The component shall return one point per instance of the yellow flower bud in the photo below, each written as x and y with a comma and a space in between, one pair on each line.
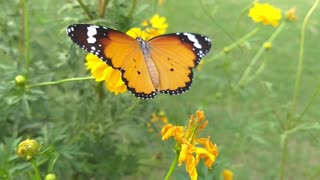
267, 45
226, 50
28, 149
227, 174
20, 80
50, 177
291, 14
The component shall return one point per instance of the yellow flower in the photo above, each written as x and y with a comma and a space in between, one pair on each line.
137, 32
265, 13
102, 72
28, 149
161, 2
291, 14
227, 174
188, 144
158, 22
157, 121
155, 26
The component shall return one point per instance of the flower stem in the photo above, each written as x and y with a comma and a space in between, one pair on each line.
86, 10
36, 170
296, 91
300, 61
172, 167
102, 7
284, 157
133, 6
313, 98
235, 44
254, 60
26, 35
58, 82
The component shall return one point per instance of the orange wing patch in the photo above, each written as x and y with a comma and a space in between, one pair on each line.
119, 49
124, 54
137, 78
175, 56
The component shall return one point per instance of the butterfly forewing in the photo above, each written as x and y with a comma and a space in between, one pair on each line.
118, 50
102, 42
175, 55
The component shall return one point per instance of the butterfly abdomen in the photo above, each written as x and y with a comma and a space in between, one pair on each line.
151, 67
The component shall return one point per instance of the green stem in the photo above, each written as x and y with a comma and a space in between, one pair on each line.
254, 60
133, 7
27, 36
314, 175
102, 7
172, 167
58, 82
284, 157
208, 11
243, 12
86, 10
313, 98
235, 44
36, 170
296, 90
300, 61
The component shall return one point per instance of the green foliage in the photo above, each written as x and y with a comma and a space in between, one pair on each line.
88, 133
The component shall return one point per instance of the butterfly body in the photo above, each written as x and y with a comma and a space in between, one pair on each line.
162, 64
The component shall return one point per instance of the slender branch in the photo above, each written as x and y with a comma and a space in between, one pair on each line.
86, 10
58, 82
133, 7
284, 157
36, 169
172, 167
300, 61
235, 44
254, 60
26, 36
296, 90
312, 99
206, 11
102, 7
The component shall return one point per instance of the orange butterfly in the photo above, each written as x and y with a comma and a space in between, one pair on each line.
162, 64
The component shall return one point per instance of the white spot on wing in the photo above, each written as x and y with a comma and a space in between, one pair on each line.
193, 39
92, 30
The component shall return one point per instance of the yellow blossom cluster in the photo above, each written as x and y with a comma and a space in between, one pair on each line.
190, 148
157, 121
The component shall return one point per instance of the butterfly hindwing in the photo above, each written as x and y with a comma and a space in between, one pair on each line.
175, 55
137, 78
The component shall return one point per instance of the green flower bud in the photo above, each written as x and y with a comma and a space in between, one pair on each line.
28, 149
50, 177
20, 80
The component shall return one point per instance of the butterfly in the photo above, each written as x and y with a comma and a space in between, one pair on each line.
162, 64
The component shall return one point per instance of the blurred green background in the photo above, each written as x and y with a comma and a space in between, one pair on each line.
88, 133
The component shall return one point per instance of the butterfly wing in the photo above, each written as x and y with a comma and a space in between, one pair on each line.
118, 50
175, 56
